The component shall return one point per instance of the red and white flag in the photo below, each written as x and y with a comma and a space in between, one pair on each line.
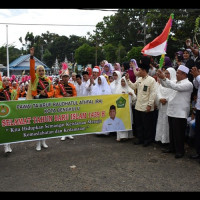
159, 45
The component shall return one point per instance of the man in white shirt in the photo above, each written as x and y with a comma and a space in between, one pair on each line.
87, 84
196, 81
178, 109
79, 86
112, 123
73, 78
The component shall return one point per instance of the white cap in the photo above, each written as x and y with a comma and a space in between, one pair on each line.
183, 69
95, 69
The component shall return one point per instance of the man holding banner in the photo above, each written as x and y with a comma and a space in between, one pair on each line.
65, 89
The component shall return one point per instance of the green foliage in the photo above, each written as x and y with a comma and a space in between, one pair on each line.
134, 53
109, 52
117, 38
85, 54
13, 54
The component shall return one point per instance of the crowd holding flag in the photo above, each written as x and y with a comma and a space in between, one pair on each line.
150, 86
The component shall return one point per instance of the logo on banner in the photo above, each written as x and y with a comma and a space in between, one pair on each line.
121, 102
4, 110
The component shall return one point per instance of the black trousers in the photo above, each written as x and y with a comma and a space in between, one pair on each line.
177, 129
197, 132
144, 123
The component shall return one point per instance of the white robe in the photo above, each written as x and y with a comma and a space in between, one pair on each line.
102, 89
116, 83
162, 127
132, 99
80, 89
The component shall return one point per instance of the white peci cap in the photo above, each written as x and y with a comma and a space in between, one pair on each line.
95, 70
183, 69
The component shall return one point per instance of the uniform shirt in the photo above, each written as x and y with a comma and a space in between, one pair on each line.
146, 92
40, 88
179, 101
69, 88
196, 83
2, 94
113, 125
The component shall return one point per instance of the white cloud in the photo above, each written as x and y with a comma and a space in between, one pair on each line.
47, 16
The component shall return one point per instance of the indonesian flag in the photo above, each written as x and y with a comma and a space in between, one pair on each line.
159, 45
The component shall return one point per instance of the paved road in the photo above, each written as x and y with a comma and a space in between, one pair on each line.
92, 163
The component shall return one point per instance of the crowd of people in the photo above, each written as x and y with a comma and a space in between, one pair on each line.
165, 100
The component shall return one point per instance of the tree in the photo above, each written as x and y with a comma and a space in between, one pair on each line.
58, 48
109, 52
48, 57
133, 26
13, 54
85, 54
73, 43
120, 53
134, 53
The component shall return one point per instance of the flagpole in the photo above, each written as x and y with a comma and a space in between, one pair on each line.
163, 55
8, 72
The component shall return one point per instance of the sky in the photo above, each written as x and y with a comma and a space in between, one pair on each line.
41, 16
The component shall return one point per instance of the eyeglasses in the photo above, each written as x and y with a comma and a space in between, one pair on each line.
41, 70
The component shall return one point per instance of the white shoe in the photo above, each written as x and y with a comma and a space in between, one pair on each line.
6, 148
38, 146
44, 144
62, 138
70, 137
9, 148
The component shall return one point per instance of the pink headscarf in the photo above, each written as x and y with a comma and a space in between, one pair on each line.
118, 67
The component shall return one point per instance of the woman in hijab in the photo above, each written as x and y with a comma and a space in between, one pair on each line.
89, 70
116, 82
107, 69
123, 88
40, 87
188, 62
117, 67
163, 94
102, 87
167, 62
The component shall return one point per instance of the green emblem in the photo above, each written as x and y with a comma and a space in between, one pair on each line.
121, 102
4, 110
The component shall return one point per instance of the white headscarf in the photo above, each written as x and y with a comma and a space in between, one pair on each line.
126, 89
172, 72
103, 88
164, 92
116, 82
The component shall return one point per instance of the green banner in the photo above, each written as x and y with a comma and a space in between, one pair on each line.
49, 118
